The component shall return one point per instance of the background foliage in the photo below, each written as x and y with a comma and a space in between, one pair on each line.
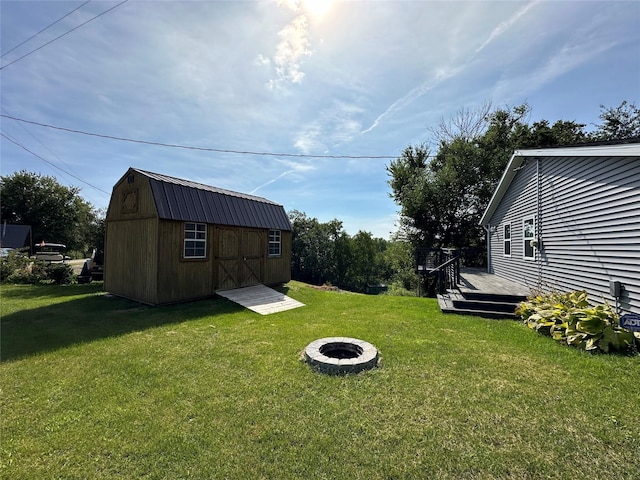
443, 195
56, 213
323, 253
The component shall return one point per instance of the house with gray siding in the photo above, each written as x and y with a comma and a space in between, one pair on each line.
569, 219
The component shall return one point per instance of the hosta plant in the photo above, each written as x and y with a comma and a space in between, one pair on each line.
569, 319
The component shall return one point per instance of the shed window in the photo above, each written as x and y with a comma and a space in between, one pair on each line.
195, 240
507, 239
275, 243
529, 234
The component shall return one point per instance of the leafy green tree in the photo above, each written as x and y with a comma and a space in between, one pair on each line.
443, 196
618, 123
366, 261
325, 253
56, 213
399, 262
314, 256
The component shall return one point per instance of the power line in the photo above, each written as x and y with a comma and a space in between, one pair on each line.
60, 36
52, 164
203, 149
37, 139
45, 28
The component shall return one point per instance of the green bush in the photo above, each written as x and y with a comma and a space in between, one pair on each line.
569, 319
20, 269
60, 273
29, 273
12, 262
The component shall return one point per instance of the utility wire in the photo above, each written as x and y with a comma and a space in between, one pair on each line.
45, 28
52, 164
203, 149
60, 36
38, 140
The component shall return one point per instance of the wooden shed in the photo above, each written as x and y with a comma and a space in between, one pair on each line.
171, 240
569, 219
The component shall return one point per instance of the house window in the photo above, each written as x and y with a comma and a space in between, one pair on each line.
275, 243
195, 240
529, 234
507, 239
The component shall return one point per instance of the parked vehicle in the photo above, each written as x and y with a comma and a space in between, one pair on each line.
51, 252
93, 268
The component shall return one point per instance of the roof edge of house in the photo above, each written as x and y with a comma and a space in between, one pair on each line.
604, 149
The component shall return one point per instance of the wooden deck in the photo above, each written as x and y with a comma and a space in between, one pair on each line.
483, 294
473, 280
260, 299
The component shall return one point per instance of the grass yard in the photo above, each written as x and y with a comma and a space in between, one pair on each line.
99, 387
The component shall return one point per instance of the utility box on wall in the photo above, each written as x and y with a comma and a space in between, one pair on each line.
615, 288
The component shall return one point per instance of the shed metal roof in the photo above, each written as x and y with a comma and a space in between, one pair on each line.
184, 200
520, 156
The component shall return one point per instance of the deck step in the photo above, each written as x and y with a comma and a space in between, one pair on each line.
494, 297
487, 305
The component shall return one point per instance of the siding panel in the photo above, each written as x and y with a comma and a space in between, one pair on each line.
518, 203
589, 224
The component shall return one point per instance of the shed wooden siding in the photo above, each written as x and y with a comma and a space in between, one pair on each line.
131, 253
589, 226
278, 268
131, 243
180, 278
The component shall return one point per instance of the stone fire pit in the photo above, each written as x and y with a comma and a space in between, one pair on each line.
340, 355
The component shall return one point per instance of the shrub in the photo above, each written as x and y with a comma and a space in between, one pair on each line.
60, 273
12, 262
30, 273
569, 319
22, 270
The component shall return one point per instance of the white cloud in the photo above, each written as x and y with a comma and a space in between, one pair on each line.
293, 167
446, 71
506, 25
333, 127
293, 46
441, 74
565, 59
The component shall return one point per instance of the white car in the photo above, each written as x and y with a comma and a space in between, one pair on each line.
51, 252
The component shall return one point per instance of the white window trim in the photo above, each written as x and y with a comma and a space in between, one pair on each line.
505, 239
197, 240
278, 242
526, 239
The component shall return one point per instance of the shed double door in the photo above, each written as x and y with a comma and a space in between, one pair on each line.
240, 257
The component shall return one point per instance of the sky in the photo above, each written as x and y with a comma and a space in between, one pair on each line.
299, 87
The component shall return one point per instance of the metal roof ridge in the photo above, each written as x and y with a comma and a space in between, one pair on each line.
201, 186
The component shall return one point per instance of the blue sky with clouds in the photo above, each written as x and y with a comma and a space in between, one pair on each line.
364, 78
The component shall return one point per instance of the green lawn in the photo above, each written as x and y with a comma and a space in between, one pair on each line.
99, 387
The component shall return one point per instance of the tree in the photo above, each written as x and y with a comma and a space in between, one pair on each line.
313, 251
325, 253
56, 213
619, 123
399, 262
366, 261
443, 197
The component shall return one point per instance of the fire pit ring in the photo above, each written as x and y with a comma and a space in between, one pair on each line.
340, 355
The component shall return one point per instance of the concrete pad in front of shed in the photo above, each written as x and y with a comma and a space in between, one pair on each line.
260, 299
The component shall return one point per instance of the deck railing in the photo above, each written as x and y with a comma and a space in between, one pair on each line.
444, 264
